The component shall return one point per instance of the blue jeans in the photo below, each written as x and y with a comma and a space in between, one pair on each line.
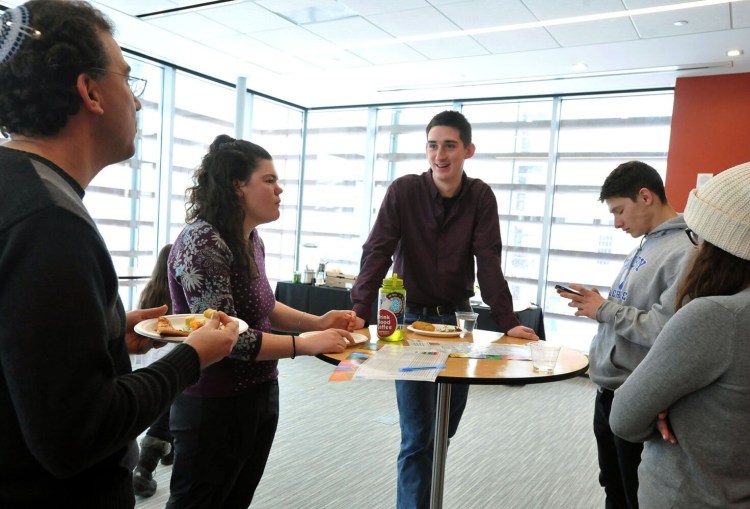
416, 408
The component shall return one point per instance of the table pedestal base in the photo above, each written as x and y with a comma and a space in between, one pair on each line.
440, 444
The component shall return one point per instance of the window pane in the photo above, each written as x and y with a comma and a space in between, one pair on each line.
596, 135
512, 149
122, 198
203, 110
333, 199
278, 129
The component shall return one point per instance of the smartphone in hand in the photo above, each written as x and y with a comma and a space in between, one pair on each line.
562, 288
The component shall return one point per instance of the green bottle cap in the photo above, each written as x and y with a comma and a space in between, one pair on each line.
393, 281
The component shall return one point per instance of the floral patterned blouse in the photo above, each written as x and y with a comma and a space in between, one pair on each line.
202, 275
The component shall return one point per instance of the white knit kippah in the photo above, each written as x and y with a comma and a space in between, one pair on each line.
719, 211
14, 28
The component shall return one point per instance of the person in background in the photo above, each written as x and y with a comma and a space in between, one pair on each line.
70, 406
434, 225
157, 443
640, 302
224, 425
693, 387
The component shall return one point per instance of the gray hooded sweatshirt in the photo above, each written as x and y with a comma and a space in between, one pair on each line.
640, 302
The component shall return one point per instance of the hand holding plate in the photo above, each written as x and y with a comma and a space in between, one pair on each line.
212, 341
136, 343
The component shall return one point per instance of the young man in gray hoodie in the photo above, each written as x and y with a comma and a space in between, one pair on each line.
640, 301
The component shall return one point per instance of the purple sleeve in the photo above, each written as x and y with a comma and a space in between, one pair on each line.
200, 277
487, 247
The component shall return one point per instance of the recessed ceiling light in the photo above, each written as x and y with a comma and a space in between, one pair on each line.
680, 23
734, 52
580, 66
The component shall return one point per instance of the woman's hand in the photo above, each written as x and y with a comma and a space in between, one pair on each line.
359, 323
662, 424
337, 319
327, 341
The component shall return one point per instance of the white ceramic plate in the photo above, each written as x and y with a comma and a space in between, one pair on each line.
436, 334
148, 327
358, 338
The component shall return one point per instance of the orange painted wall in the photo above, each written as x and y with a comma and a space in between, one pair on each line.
710, 130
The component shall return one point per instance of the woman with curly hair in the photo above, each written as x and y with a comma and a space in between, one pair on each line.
224, 425
689, 399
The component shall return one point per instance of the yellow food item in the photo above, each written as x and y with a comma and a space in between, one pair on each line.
193, 323
209, 312
423, 326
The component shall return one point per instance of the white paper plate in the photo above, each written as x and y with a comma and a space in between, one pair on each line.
148, 327
436, 334
358, 338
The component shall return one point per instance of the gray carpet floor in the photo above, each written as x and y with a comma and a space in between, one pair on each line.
517, 447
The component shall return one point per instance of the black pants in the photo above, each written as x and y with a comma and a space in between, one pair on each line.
618, 458
160, 428
221, 447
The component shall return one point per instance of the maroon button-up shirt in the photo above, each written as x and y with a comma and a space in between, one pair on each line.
433, 248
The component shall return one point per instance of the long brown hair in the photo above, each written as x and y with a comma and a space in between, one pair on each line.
156, 291
713, 271
213, 199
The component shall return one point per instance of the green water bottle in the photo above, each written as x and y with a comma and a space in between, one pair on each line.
391, 309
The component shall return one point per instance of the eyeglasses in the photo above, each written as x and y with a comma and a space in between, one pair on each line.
694, 237
137, 85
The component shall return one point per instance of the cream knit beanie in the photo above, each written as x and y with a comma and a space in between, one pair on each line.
719, 211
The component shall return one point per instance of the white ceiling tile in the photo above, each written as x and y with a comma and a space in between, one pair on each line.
703, 19
487, 13
246, 18
594, 32
414, 22
308, 11
292, 39
369, 7
741, 15
339, 59
191, 24
552, 9
454, 47
136, 7
518, 40
251, 50
446, 2
640, 4
392, 54
348, 31
291, 5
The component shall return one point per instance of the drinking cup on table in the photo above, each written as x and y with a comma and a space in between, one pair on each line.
466, 320
544, 356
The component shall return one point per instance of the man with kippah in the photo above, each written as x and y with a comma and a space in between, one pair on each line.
70, 406
640, 302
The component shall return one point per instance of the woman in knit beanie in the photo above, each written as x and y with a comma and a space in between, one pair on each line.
697, 374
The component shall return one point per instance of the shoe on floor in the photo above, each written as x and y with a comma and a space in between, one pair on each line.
168, 459
143, 484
